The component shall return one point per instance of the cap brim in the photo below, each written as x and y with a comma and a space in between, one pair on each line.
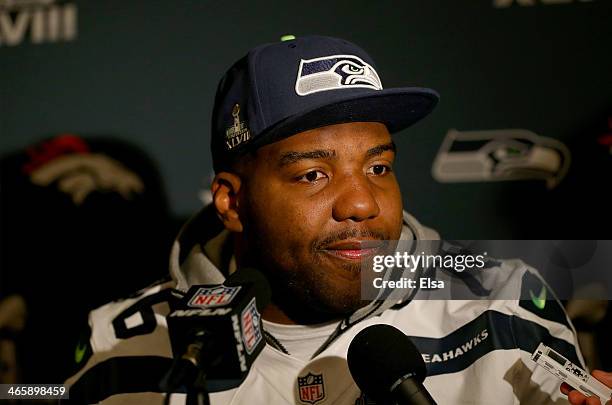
397, 108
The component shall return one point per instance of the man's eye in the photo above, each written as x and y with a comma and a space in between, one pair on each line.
312, 176
379, 170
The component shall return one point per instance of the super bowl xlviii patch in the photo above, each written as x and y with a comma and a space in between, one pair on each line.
251, 327
335, 72
238, 133
311, 388
210, 297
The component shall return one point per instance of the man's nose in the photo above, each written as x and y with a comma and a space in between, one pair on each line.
355, 199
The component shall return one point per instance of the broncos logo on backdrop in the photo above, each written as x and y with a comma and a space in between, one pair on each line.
335, 72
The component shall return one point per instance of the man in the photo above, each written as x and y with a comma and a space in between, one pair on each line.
304, 172
577, 398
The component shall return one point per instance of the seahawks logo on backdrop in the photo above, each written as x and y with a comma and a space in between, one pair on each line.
335, 72
500, 155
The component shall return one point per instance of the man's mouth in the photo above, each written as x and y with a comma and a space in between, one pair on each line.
354, 250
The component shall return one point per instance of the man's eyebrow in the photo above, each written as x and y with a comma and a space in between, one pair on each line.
378, 150
288, 158
291, 157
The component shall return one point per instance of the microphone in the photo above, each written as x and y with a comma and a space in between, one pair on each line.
387, 366
216, 333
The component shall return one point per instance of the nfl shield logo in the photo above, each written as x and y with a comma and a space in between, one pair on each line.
209, 297
311, 388
251, 327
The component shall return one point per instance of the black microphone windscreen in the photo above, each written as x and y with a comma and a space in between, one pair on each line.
249, 275
379, 356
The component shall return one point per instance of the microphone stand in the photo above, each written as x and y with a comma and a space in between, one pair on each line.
183, 371
197, 394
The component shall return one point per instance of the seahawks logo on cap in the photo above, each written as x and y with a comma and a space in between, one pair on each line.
335, 72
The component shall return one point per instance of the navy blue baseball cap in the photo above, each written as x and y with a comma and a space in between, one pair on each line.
283, 88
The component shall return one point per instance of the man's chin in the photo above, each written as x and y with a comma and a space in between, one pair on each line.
312, 309
338, 308
340, 269
348, 309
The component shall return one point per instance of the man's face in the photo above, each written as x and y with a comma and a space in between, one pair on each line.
305, 204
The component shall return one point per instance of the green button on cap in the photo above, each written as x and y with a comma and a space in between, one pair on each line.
287, 37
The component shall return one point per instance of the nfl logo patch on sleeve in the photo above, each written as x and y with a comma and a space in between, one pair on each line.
311, 388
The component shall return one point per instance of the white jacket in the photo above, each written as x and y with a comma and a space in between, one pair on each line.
476, 351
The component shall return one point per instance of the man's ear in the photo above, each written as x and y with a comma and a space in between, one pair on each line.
225, 189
